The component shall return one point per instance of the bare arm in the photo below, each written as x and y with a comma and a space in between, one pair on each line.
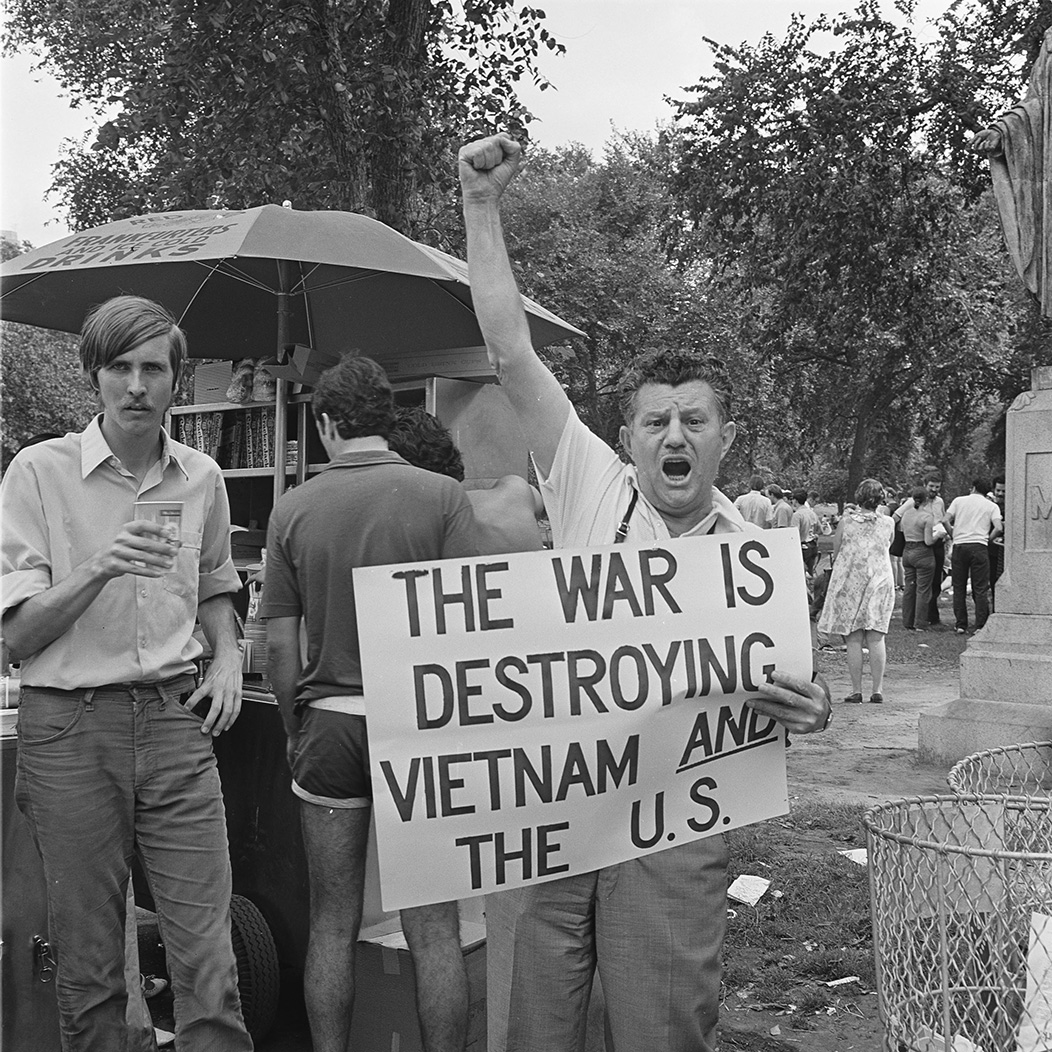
42, 618
284, 666
487, 166
222, 681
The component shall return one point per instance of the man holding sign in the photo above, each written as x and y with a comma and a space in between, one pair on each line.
653, 925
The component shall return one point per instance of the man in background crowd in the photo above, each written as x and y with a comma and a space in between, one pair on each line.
806, 521
755, 506
781, 510
973, 521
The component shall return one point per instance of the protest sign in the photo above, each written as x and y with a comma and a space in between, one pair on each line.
547, 713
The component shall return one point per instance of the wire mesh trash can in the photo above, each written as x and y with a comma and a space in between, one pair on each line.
961, 893
1012, 770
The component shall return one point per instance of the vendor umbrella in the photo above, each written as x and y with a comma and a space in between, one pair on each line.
251, 283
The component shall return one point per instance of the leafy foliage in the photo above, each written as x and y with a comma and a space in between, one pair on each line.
865, 275
327, 104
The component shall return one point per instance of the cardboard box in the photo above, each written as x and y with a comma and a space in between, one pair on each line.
385, 990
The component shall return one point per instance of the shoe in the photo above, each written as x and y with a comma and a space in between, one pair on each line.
960, 631
853, 699
876, 699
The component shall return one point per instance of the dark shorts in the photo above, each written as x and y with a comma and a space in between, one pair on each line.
331, 765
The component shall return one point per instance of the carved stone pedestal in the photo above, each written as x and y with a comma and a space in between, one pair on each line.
1006, 671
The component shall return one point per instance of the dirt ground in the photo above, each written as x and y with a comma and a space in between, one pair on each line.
868, 756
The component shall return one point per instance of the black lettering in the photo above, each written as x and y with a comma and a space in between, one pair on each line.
546, 661
501, 675
403, 801
447, 783
465, 598
541, 781
610, 772
619, 588
575, 772
751, 640
705, 824
466, 691
423, 721
744, 552
638, 839
728, 577
412, 600
474, 846
726, 723
728, 676
657, 580
665, 667
544, 849
579, 681
486, 623
580, 589
700, 738
493, 758
642, 684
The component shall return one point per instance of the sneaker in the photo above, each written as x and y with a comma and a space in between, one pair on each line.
853, 699
960, 631
876, 699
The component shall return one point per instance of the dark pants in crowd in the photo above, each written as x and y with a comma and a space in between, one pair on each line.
970, 560
939, 551
918, 572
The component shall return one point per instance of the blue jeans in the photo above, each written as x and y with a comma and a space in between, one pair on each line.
654, 926
974, 560
103, 774
918, 572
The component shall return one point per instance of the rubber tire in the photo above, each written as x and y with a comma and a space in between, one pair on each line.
258, 975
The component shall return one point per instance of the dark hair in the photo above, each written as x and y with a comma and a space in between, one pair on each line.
980, 485
34, 439
920, 495
931, 474
999, 478
869, 494
800, 496
674, 368
756, 482
421, 439
120, 325
358, 398
775, 491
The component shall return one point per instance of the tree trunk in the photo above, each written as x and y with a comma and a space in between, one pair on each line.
860, 442
393, 182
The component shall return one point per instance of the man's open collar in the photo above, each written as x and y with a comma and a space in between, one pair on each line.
95, 450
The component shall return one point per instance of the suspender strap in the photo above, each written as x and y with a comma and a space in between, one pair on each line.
622, 530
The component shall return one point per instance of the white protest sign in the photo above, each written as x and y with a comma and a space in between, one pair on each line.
548, 713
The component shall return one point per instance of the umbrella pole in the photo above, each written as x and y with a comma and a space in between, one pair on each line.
281, 391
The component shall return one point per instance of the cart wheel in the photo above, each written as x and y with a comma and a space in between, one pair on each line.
257, 966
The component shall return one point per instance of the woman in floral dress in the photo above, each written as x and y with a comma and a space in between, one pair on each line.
861, 595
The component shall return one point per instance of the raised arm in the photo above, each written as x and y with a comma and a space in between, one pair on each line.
487, 166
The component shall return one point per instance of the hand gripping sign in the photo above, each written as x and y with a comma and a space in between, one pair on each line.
541, 714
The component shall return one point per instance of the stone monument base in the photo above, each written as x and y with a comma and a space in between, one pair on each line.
1006, 691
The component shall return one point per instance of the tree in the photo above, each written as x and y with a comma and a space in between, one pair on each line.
861, 275
241, 102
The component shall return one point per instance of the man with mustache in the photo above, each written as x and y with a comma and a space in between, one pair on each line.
99, 607
653, 926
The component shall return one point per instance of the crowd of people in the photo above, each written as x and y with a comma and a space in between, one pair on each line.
883, 544
116, 724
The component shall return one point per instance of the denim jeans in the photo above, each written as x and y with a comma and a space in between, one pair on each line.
918, 572
974, 560
103, 774
654, 926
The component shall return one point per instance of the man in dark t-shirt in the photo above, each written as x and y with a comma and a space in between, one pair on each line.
368, 507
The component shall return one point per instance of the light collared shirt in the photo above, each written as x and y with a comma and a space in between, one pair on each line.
589, 489
973, 518
66, 499
755, 507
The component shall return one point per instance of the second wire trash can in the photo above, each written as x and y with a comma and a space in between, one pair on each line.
961, 890
1011, 770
